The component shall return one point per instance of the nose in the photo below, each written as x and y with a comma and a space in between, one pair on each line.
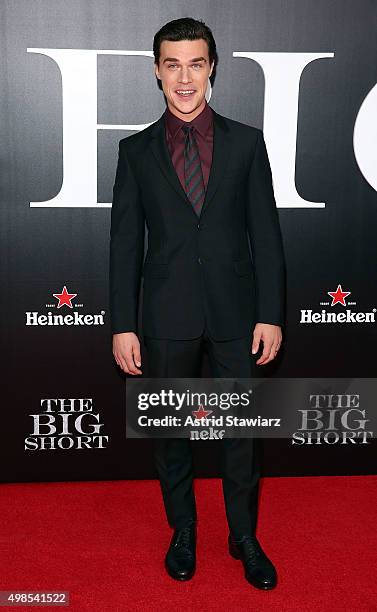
184, 77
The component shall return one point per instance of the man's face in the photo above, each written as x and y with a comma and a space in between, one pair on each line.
184, 66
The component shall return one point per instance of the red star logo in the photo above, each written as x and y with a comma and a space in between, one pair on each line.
201, 413
338, 296
65, 298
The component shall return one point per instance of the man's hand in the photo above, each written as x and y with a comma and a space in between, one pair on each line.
271, 336
126, 351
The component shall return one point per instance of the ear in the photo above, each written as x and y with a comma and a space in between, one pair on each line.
157, 72
212, 66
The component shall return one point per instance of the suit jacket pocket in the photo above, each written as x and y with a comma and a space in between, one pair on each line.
155, 270
243, 267
234, 175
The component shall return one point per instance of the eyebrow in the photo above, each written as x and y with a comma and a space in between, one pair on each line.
174, 59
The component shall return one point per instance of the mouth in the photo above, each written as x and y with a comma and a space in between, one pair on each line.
185, 94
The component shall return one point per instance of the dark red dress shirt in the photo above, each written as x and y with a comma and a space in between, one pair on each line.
175, 137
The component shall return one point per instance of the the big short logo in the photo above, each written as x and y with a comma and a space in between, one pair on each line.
341, 314
66, 424
75, 318
333, 419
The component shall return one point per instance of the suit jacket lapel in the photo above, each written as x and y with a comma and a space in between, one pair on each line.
220, 158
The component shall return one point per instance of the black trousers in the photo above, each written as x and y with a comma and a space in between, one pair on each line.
240, 458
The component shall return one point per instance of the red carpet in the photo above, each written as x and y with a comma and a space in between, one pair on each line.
105, 543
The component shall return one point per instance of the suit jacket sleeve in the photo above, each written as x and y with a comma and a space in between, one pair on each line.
126, 247
265, 239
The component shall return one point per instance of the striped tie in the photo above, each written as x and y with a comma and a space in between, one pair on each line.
194, 182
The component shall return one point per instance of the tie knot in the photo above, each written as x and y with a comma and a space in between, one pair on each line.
187, 128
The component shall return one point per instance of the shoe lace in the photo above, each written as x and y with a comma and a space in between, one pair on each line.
183, 540
252, 549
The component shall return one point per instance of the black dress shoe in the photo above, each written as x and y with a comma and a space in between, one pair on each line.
259, 571
180, 560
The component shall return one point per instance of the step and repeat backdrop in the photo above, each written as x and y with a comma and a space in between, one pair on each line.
76, 77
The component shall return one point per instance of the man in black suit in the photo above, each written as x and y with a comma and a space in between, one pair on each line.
214, 275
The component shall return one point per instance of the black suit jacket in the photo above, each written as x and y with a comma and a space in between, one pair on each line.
196, 270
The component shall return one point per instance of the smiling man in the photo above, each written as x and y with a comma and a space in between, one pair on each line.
214, 276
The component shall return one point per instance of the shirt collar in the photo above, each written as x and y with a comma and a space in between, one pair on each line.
201, 123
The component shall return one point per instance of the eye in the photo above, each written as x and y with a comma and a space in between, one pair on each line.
198, 65
171, 65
